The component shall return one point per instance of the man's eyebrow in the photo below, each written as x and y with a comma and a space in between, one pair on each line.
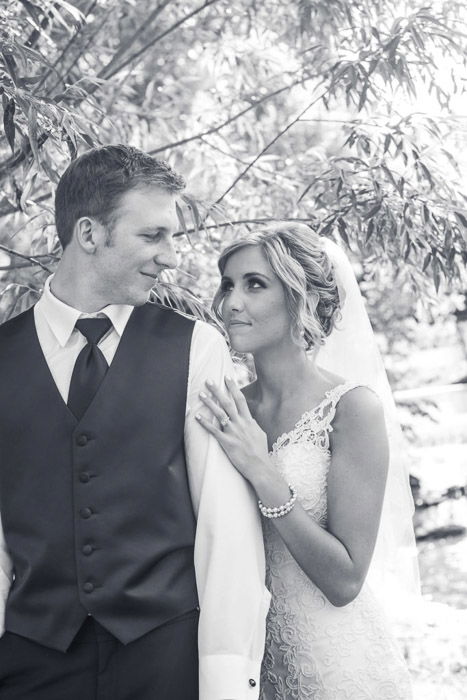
153, 229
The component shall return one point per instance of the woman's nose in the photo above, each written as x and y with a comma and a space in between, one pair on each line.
234, 301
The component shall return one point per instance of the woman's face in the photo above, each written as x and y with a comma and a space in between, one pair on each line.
254, 304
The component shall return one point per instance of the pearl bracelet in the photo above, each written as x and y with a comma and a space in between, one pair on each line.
279, 511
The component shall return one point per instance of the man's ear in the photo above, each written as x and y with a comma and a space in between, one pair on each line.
88, 233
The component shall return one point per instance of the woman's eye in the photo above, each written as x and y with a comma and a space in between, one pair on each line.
255, 284
226, 287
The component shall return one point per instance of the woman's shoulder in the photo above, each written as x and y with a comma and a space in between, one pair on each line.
357, 404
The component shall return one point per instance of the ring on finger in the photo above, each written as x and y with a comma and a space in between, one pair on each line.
224, 421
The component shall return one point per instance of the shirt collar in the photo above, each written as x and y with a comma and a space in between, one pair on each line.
62, 318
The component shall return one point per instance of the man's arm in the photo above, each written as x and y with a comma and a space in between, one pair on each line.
229, 553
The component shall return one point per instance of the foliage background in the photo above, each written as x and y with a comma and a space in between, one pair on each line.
346, 114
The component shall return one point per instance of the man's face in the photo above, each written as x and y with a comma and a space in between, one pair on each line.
139, 246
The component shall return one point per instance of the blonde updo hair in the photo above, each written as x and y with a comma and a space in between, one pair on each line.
297, 257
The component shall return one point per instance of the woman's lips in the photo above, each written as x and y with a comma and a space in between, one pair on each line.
238, 323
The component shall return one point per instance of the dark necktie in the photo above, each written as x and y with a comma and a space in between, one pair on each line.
90, 366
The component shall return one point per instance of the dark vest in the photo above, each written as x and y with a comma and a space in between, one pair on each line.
97, 514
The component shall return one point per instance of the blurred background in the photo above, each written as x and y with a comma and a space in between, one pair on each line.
348, 115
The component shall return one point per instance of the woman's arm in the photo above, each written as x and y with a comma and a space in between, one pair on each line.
336, 559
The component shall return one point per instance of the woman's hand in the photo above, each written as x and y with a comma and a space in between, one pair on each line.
237, 432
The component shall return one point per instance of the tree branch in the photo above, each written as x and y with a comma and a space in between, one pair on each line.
33, 260
105, 75
268, 146
11, 209
271, 173
215, 129
64, 51
238, 222
147, 22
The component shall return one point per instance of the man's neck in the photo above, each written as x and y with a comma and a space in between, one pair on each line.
63, 287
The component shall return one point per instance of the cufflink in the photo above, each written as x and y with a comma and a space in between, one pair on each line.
252, 682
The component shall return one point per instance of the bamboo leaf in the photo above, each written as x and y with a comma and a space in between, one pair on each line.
374, 210
436, 272
10, 65
342, 227
370, 229
32, 132
426, 262
181, 219
9, 122
461, 218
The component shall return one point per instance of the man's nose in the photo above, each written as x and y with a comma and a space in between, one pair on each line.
167, 257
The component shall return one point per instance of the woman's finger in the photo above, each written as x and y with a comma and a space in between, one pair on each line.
221, 415
238, 397
210, 427
224, 401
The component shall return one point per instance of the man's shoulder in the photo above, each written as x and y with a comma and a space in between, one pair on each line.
209, 334
16, 323
155, 311
202, 329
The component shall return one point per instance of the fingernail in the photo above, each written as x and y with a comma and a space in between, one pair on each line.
209, 382
229, 379
198, 416
203, 395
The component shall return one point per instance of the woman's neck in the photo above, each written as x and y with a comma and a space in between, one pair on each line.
281, 374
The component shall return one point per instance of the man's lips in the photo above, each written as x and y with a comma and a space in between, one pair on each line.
152, 276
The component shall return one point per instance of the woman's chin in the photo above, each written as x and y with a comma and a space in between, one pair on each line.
238, 346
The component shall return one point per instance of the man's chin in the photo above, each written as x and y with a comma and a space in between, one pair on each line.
141, 299
137, 297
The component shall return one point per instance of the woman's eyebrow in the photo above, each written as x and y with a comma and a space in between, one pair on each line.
256, 274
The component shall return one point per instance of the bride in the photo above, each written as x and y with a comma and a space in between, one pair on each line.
314, 447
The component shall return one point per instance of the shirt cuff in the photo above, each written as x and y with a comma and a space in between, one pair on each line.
228, 677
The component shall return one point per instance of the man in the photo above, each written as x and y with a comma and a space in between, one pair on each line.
123, 521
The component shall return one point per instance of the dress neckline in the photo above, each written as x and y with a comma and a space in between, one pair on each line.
306, 414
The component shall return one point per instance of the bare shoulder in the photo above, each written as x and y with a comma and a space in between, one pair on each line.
357, 407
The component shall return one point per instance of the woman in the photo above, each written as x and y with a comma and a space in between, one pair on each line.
313, 446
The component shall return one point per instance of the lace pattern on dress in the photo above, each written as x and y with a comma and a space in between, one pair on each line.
315, 424
315, 651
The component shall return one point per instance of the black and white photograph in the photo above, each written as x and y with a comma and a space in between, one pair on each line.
233, 350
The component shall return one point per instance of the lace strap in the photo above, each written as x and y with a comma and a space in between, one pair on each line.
315, 425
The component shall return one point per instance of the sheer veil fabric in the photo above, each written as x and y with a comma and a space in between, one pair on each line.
351, 351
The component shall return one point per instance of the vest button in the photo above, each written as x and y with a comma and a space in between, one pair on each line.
82, 440
85, 513
87, 549
88, 587
84, 477
252, 682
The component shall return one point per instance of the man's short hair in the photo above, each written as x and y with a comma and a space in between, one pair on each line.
93, 184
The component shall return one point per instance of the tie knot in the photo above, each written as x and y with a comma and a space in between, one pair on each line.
93, 329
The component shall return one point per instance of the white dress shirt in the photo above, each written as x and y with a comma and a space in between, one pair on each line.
229, 554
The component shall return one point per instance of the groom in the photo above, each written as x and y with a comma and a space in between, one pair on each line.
123, 521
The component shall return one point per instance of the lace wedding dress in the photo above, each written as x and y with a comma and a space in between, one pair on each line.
315, 651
